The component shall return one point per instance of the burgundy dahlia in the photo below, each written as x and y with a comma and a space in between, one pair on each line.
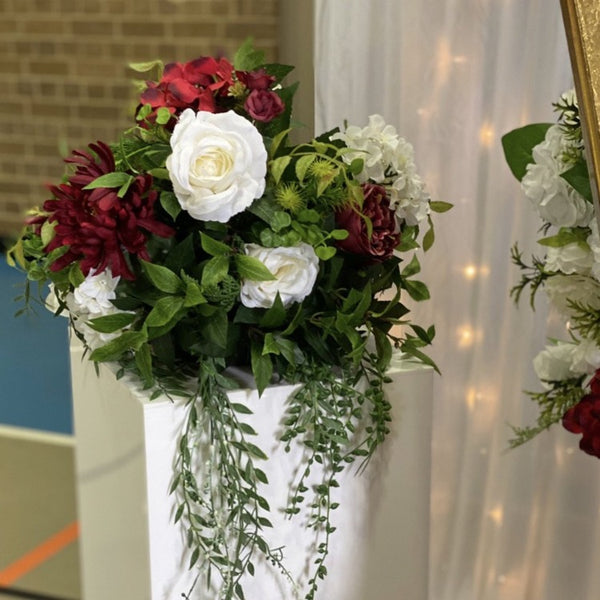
584, 418
263, 105
384, 237
96, 225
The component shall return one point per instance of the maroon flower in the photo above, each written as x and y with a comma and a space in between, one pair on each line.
584, 418
384, 238
263, 105
96, 225
255, 80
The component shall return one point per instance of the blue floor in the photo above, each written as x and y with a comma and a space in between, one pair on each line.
34, 363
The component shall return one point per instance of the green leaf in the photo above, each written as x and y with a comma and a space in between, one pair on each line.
416, 289
384, 348
76, 277
278, 166
47, 232
303, 164
518, 146
280, 220
159, 173
440, 207
241, 408
412, 268
164, 310
277, 70
163, 115
143, 361
168, 200
216, 328
262, 367
251, 268
163, 279
565, 236
113, 350
275, 315
270, 346
212, 246
429, 236
325, 252
193, 292
247, 58
277, 141
144, 67
215, 270
578, 177
110, 180
112, 323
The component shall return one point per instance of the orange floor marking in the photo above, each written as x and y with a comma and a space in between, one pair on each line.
40, 554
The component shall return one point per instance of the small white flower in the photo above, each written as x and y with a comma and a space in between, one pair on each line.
218, 165
571, 258
551, 196
553, 363
295, 269
94, 295
586, 358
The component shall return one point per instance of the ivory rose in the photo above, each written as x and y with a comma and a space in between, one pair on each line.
295, 269
218, 164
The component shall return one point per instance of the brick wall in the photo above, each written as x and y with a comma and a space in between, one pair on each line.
63, 64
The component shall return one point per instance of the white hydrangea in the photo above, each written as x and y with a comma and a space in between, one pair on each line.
551, 196
388, 160
581, 289
570, 258
554, 362
586, 357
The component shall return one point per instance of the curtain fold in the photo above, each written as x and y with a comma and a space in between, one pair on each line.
454, 76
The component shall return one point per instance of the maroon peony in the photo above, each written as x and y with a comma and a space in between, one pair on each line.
96, 225
385, 236
195, 84
584, 418
263, 105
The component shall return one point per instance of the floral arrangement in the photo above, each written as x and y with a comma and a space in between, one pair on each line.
202, 240
549, 161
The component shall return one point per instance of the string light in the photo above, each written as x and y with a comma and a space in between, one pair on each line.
487, 135
470, 272
496, 515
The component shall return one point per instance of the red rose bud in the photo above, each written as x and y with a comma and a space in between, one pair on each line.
385, 236
584, 418
263, 105
255, 80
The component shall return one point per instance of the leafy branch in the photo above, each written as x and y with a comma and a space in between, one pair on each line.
553, 404
533, 275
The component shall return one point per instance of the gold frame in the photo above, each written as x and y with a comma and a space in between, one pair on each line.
582, 26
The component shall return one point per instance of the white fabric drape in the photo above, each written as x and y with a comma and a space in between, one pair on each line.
453, 76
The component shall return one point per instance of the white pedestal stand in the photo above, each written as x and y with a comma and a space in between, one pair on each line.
130, 548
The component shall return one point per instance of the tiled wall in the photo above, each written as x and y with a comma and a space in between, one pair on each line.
65, 81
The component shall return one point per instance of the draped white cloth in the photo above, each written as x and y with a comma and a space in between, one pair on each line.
453, 76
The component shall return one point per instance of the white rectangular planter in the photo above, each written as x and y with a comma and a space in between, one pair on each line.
130, 548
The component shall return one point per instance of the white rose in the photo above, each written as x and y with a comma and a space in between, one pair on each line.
576, 288
94, 295
571, 258
553, 363
586, 358
552, 197
295, 269
218, 165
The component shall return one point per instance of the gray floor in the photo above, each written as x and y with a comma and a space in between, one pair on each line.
37, 500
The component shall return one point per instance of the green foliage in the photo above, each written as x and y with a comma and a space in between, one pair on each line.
518, 146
